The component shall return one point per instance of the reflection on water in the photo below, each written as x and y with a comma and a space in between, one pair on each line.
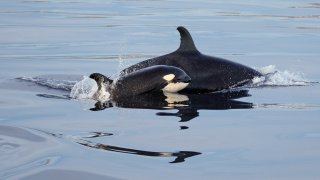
19, 149
53, 96
180, 156
98, 134
54, 174
187, 106
19, 133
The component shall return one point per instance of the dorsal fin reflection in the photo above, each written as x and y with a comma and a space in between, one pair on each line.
180, 156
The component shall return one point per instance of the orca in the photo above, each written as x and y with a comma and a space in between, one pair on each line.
208, 73
152, 79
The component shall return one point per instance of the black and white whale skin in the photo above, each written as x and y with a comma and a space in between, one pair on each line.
208, 73
151, 79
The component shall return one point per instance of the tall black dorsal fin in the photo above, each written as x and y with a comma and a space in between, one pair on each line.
186, 43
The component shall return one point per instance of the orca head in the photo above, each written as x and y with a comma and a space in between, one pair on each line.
176, 81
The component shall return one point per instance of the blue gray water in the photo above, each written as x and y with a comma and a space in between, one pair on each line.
273, 132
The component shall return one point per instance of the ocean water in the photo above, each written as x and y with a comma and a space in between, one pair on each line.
270, 130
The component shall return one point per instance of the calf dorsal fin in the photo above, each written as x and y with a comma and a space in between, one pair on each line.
100, 78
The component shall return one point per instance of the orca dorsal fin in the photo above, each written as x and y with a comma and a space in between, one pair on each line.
186, 43
100, 78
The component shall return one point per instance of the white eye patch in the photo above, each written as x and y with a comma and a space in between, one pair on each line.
168, 77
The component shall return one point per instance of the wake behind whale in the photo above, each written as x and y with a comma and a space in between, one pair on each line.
83, 87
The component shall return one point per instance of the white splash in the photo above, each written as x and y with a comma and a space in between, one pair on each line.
86, 89
274, 77
101, 95
50, 82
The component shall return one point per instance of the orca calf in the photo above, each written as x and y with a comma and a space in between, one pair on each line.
208, 73
151, 79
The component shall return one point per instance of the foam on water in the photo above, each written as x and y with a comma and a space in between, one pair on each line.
274, 77
83, 89
50, 82
86, 89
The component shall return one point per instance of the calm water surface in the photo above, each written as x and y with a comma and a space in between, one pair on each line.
270, 133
